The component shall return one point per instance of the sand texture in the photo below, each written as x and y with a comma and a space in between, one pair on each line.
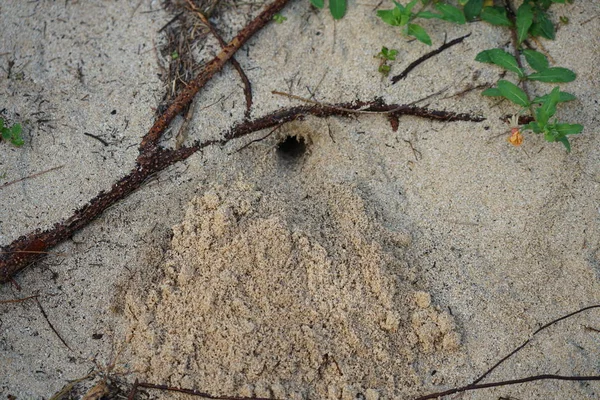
332, 258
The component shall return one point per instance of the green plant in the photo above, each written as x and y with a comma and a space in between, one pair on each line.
531, 19
336, 7
403, 16
384, 56
11, 134
278, 18
543, 107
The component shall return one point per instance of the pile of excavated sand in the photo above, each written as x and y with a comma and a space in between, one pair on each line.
251, 304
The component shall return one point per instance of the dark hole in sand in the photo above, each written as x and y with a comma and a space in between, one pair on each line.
291, 148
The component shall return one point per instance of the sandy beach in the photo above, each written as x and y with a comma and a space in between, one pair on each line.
329, 258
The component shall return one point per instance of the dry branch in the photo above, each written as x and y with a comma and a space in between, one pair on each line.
29, 248
25, 250
475, 385
150, 141
151, 159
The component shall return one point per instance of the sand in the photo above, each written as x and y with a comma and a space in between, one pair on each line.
371, 264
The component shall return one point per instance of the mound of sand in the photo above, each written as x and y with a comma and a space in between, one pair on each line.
252, 304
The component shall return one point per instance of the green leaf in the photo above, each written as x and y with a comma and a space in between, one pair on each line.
548, 108
543, 27
473, 9
399, 6
384, 69
410, 6
1, 124
318, 3
565, 141
568, 129
492, 92
534, 126
513, 93
524, 21
536, 60
388, 17
562, 97
484, 57
16, 129
451, 13
428, 15
553, 75
500, 58
387, 54
337, 8
6, 134
495, 16
418, 32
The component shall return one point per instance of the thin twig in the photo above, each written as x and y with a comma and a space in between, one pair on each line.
427, 56
530, 339
352, 110
234, 62
30, 176
50, 253
175, 18
259, 139
150, 141
475, 385
197, 393
18, 300
98, 138
50, 324
133, 391
38, 241
509, 382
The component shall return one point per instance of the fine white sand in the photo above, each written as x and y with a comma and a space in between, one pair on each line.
376, 264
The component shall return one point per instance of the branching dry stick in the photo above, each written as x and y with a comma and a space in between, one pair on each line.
22, 252
26, 249
191, 392
234, 62
506, 383
151, 159
427, 56
476, 385
150, 141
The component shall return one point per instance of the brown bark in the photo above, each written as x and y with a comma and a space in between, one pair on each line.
28, 248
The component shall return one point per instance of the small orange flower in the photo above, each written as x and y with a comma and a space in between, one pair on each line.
515, 137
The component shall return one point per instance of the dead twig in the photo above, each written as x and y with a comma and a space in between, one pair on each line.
191, 392
150, 141
509, 382
50, 324
30, 176
476, 385
234, 62
98, 138
531, 338
426, 57
260, 139
18, 300
150, 160
25, 250
351, 109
